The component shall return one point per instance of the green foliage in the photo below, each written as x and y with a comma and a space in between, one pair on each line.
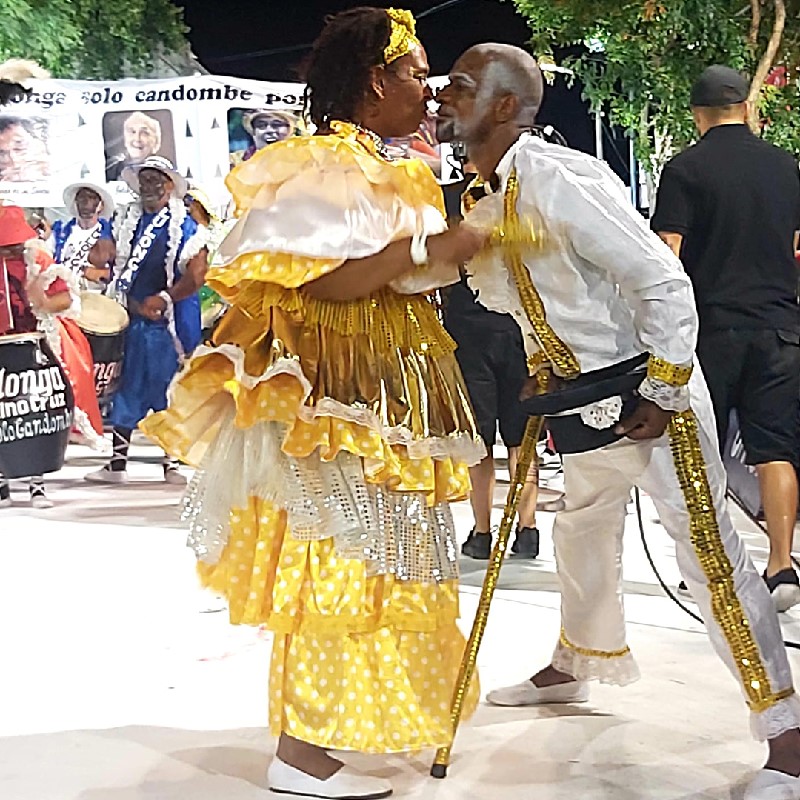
647, 54
91, 38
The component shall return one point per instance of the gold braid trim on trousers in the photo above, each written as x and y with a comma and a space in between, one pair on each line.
564, 362
585, 651
705, 538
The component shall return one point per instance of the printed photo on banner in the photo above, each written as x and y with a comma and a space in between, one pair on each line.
250, 129
24, 151
132, 136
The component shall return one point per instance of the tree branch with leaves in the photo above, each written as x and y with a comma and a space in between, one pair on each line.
106, 39
637, 60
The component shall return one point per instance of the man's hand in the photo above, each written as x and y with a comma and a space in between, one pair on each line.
648, 421
96, 274
152, 308
457, 245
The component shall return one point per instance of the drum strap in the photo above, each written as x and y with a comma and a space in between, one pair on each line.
140, 251
75, 258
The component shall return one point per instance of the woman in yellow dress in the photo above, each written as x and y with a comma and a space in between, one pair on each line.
329, 421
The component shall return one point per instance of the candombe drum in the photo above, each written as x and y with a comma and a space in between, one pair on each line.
36, 407
103, 322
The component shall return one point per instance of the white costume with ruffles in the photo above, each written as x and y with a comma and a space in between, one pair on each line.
610, 290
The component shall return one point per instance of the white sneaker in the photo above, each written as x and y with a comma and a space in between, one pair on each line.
769, 784
346, 784
40, 500
174, 478
105, 475
527, 694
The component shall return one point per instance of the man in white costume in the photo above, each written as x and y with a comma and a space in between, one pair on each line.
596, 296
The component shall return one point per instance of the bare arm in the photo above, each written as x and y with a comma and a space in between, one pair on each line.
361, 277
102, 254
673, 241
56, 303
193, 277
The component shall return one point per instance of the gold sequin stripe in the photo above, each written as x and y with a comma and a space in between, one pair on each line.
560, 356
662, 370
585, 651
390, 320
705, 538
466, 672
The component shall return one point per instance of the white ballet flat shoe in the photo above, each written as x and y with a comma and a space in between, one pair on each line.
769, 784
346, 784
526, 694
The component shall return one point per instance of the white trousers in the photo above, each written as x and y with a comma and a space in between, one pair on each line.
732, 597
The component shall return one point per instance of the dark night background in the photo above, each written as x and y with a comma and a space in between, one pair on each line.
231, 38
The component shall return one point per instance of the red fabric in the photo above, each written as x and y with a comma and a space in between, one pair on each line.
76, 358
14, 228
22, 317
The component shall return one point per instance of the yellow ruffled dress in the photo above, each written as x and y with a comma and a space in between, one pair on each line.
329, 439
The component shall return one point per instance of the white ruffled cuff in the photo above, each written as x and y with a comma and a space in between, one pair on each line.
665, 395
615, 671
782, 717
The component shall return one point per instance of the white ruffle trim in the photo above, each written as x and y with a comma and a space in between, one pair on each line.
665, 395
784, 716
194, 245
602, 414
394, 533
88, 434
459, 447
617, 671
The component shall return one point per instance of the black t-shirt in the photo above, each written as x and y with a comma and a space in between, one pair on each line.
735, 200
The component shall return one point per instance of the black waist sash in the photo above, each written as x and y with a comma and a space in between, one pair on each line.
570, 433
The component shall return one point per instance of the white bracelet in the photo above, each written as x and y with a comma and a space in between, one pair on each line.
166, 297
419, 248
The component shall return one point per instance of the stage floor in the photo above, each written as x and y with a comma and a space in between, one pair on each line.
117, 686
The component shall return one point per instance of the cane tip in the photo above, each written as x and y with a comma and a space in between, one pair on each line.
439, 771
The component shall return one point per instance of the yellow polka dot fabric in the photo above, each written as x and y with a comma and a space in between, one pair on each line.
359, 663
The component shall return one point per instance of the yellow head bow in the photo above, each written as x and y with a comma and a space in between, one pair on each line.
403, 38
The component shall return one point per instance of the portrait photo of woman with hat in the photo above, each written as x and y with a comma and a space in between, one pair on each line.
253, 129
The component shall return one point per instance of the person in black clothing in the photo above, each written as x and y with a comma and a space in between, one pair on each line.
729, 206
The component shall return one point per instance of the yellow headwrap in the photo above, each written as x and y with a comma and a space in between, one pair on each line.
404, 34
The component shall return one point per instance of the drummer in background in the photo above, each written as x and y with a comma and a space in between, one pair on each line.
29, 296
161, 264
85, 244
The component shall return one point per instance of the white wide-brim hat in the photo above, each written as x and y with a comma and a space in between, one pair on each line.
71, 192
131, 174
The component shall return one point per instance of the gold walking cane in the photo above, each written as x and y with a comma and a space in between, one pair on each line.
467, 670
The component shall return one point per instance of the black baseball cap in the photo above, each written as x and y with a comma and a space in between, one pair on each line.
719, 86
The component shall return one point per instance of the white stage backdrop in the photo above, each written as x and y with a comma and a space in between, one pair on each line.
72, 130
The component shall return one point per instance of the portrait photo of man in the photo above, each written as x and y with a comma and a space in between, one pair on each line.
132, 137
23, 149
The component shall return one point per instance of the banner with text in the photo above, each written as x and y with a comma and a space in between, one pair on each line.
66, 131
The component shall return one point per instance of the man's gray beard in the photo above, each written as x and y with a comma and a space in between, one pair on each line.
446, 130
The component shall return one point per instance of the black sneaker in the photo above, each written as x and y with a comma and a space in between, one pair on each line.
526, 543
477, 546
784, 586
